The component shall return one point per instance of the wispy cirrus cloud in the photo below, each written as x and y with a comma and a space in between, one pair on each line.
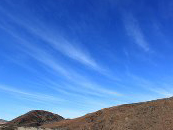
70, 49
54, 65
156, 88
101, 89
83, 89
73, 50
80, 80
36, 96
134, 31
89, 103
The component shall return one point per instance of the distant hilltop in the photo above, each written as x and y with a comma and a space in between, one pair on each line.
2, 121
33, 118
152, 115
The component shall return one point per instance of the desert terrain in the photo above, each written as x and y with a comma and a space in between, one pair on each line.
151, 115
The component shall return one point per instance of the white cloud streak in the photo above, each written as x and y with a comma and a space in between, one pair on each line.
36, 96
68, 48
71, 75
153, 87
100, 89
89, 103
133, 30
71, 49
45, 58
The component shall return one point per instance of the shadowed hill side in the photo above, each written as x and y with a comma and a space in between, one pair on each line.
153, 115
34, 118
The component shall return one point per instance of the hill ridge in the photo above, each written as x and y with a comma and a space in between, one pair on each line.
150, 115
35, 118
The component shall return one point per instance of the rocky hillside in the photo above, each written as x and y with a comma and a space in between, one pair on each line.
153, 115
2, 121
34, 118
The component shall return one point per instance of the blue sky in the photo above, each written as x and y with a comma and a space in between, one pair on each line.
73, 57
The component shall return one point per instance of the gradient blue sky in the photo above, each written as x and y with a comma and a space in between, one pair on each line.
73, 57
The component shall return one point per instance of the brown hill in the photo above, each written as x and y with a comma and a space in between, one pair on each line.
34, 118
153, 115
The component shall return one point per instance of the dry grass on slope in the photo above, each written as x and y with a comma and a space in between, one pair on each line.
153, 115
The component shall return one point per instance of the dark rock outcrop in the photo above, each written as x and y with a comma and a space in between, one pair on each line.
34, 118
